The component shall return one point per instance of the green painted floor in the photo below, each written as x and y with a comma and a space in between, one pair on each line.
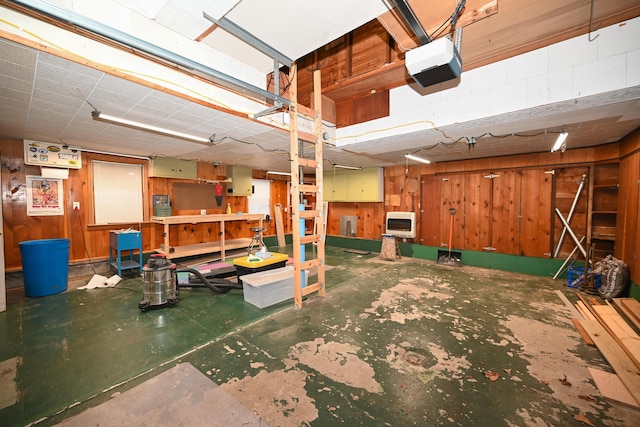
398, 343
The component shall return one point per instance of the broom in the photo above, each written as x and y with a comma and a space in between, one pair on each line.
448, 257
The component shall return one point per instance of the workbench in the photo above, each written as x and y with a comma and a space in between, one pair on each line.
208, 247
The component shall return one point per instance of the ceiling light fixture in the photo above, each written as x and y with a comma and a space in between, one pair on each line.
416, 158
560, 142
356, 168
98, 116
278, 173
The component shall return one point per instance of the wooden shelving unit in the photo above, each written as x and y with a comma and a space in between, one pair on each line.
207, 247
603, 205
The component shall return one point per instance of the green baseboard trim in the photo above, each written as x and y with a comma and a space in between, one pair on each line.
518, 264
354, 243
634, 291
272, 241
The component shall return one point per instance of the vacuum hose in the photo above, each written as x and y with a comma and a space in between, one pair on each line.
216, 285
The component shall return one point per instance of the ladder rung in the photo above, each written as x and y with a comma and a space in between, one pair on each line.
308, 137
310, 288
306, 111
313, 213
308, 188
311, 238
310, 163
305, 265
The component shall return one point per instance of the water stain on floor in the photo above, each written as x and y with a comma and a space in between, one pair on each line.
337, 361
279, 397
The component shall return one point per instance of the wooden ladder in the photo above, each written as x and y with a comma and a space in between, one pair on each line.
298, 139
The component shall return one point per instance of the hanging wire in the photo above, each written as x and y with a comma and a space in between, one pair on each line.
591, 23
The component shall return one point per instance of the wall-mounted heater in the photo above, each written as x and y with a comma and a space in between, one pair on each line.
401, 224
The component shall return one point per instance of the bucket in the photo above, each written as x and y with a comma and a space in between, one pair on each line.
45, 266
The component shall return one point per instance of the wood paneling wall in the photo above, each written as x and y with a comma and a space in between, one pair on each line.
513, 212
627, 227
77, 226
516, 207
367, 49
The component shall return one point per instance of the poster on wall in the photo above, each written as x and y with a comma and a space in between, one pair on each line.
44, 196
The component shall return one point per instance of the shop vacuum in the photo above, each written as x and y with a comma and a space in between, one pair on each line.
161, 288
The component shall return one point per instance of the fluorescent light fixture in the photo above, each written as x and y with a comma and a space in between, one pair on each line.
97, 115
278, 173
348, 167
417, 159
560, 145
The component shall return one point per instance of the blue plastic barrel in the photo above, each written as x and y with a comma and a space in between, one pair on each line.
45, 266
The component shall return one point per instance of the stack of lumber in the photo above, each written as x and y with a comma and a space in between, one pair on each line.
612, 328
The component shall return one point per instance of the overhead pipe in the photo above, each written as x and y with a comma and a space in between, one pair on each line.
572, 234
250, 39
129, 41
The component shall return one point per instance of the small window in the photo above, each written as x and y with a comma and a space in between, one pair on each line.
117, 192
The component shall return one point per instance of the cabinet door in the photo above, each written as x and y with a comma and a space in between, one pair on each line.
241, 180
356, 184
164, 167
370, 182
335, 186
353, 185
186, 169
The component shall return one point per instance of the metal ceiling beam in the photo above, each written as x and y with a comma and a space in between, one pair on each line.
410, 18
47, 9
250, 39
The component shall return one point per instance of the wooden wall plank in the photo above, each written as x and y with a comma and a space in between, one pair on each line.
429, 217
477, 211
452, 196
505, 230
535, 213
627, 226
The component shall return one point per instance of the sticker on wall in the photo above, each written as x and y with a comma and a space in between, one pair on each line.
39, 153
44, 196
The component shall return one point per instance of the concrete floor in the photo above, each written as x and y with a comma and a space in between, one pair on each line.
398, 343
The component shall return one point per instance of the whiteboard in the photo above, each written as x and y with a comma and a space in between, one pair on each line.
117, 192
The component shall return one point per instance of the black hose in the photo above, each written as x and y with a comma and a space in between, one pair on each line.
216, 285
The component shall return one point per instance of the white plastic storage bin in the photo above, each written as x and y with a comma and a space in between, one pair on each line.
270, 287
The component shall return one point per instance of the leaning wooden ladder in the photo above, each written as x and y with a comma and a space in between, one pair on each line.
298, 188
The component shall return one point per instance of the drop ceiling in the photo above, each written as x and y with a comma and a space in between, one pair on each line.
49, 98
